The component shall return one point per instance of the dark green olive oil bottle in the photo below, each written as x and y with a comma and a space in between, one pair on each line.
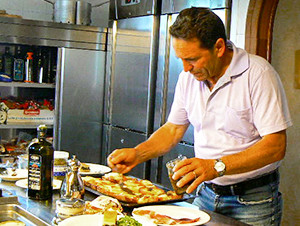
40, 166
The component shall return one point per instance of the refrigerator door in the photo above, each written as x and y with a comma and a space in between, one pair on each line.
120, 9
168, 69
175, 6
120, 138
80, 104
129, 80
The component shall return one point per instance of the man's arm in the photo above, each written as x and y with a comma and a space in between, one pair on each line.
162, 141
271, 148
159, 143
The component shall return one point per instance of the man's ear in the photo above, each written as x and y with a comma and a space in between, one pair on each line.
220, 47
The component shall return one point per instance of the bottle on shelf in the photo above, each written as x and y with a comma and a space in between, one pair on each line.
1, 63
50, 69
7, 62
39, 66
40, 166
29, 68
19, 66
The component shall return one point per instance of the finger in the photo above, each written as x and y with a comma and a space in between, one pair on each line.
181, 164
194, 185
116, 157
188, 178
186, 169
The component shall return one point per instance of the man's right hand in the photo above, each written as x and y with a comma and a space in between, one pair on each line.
123, 160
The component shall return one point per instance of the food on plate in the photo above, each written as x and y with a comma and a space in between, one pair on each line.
101, 204
12, 223
84, 167
137, 191
163, 219
128, 221
110, 217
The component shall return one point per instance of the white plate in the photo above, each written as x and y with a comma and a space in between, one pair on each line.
96, 169
175, 212
21, 173
24, 184
90, 220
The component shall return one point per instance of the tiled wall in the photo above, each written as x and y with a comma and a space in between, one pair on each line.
42, 10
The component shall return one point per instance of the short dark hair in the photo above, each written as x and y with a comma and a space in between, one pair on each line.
200, 23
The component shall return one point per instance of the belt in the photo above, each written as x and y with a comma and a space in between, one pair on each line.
241, 187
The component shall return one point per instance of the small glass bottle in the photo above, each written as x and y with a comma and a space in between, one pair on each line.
19, 65
8, 62
29, 67
40, 66
72, 186
40, 169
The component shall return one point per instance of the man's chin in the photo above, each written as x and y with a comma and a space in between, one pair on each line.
199, 78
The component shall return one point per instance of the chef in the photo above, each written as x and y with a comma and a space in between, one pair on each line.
237, 106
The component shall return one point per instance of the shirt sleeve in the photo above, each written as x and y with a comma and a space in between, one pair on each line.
270, 107
178, 114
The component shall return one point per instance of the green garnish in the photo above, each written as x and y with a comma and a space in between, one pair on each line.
128, 221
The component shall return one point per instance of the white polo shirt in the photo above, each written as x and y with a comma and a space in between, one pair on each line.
247, 103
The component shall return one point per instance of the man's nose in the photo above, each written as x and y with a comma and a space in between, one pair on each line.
187, 66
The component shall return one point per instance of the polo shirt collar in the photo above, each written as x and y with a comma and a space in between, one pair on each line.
239, 63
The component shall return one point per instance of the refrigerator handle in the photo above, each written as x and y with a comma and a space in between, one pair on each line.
164, 91
58, 98
152, 86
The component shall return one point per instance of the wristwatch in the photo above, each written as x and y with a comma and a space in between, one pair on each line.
220, 167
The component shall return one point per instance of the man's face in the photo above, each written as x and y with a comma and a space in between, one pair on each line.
198, 61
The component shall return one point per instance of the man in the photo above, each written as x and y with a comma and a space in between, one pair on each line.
238, 108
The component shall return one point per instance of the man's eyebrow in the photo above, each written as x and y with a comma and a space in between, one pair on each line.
190, 58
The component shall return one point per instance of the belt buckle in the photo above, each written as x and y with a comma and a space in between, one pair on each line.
218, 189
214, 188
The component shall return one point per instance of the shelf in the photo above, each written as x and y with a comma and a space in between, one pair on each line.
22, 126
26, 85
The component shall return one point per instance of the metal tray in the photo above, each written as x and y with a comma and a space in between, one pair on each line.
9, 212
133, 205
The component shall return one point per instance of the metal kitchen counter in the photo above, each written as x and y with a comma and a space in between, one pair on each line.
45, 210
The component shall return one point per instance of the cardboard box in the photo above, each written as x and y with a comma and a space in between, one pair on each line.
30, 116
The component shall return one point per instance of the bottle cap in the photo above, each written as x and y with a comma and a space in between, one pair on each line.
61, 155
29, 55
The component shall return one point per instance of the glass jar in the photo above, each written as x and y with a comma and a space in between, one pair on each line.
66, 208
60, 164
170, 165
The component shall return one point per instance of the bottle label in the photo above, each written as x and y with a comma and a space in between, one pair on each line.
59, 170
19, 70
34, 172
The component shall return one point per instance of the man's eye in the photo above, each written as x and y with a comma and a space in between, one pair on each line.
192, 60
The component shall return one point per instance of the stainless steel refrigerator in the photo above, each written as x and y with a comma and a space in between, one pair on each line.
79, 88
142, 71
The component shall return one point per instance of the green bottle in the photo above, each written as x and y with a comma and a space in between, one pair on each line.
7, 62
40, 168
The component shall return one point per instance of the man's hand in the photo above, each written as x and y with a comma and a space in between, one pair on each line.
123, 160
194, 171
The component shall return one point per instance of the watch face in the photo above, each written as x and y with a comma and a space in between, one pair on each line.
219, 166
